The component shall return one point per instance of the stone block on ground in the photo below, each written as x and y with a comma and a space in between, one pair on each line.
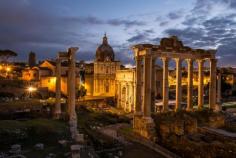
79, 138
63, 142
39, 146
15, 149
76, 150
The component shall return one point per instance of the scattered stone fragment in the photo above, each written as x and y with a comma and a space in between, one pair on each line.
79, 138
63, 142
75, 150
120, 153
17, 156
51, 155
68, 154
15, 149
39, 146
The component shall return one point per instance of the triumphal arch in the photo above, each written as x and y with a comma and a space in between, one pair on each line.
169, 48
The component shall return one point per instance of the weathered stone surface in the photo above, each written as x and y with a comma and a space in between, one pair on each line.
15, 149
144, 126
79, 138
190, 126
75, 150
216, 121
39, 146
51, 155
63, 142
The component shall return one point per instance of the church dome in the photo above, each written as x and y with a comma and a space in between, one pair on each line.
105, 52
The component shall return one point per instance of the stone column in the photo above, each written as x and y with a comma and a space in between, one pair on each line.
165, 95
219, 87
138, 103
126, 96
118, 96
178, 84
58, 89
212, 86
200, 84
72, 73
153, 85
147, 79
132, 97
68, 91
190, 85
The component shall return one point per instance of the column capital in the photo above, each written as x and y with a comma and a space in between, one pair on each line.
138, 58
164, 59
200, 61
189, 61
178, 59
213, 60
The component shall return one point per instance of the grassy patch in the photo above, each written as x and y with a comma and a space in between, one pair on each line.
28, 133
19, 104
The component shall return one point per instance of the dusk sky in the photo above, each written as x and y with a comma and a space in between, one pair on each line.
48, 26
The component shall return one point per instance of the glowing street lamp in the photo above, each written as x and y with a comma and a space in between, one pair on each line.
8, 69
31, 90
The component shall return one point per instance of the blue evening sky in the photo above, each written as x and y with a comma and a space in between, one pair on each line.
49, 26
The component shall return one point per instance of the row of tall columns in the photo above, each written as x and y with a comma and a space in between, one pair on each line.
149, 89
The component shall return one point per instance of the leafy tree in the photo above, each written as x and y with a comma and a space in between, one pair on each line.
6, 54
81, 92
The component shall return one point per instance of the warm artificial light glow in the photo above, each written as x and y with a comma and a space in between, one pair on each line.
8, 69
31, 89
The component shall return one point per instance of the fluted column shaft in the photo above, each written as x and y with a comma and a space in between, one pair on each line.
190, 85
68, 90
212, 90
58, 88
119, 96
133, 98
178, 84
165, 94
219, 88
72, 72
147, 80
138, 103
200, 84
153, 86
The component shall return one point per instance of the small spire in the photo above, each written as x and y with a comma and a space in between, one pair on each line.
105, 39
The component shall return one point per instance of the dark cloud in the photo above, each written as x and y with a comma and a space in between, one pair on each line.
175, 15
137, 38
217, 31
141, 36
164, 23
126, 23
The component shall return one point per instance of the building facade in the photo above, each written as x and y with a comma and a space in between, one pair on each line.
105, 67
